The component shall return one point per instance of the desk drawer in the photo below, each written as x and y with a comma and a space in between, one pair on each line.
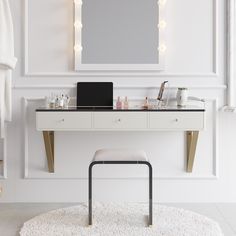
176, 120
120, 120
63, 120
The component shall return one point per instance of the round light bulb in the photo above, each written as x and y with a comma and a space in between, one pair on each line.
162, 2
162, 48
78, 2
162, 24
78, 48
78, 25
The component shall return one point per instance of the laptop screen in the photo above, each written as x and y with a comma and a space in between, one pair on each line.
95, 94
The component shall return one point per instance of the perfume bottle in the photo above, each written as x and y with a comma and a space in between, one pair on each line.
66, 101
57, 102
126, 103
118, 104
182, 97
50, 101
146, 104
61, 101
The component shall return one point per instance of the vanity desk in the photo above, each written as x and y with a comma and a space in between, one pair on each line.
189, 119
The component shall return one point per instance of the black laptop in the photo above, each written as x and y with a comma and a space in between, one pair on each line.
95, 95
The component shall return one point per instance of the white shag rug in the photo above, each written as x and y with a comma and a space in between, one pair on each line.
120, 220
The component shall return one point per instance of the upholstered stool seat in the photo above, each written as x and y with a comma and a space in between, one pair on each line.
120, 156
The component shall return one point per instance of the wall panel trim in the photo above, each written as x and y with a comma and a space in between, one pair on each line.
4, 151
73, 86
213, 74
230, 55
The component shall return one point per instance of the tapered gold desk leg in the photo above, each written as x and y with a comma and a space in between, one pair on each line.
48, 137
192, 137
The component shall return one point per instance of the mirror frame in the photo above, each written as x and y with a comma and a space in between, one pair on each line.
79, 66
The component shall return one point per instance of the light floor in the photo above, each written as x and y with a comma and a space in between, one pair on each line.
12, 216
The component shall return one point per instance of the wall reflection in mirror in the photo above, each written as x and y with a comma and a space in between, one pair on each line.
119, 35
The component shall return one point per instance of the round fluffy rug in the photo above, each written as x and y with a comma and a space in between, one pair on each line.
120, 220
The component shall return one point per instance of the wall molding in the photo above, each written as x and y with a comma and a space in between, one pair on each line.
215, 172
144, 87
120, 74
4, 151
213, 74
230, 53
215, 138
25, 101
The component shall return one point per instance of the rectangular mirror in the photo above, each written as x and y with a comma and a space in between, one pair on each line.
119, 35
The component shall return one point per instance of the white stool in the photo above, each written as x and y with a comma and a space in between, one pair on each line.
120, 156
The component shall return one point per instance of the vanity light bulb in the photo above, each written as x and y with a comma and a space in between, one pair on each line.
78, 48
162, 2
162, 48
162, 24
78, 2
78, 25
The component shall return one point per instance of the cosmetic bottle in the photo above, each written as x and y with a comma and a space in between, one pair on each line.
47, 102
57, 102
126, 103
118, 104
61, 101
146, 104
182, 97
66, 101
52, 102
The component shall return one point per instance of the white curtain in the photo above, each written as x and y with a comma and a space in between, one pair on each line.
7, 64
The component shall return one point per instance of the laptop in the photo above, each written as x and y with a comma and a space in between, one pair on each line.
95, 95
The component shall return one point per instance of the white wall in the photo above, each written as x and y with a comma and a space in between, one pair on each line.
195, 58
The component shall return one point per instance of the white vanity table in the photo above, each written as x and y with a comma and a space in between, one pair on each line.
189, 119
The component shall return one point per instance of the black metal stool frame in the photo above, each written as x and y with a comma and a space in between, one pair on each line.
120, 162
